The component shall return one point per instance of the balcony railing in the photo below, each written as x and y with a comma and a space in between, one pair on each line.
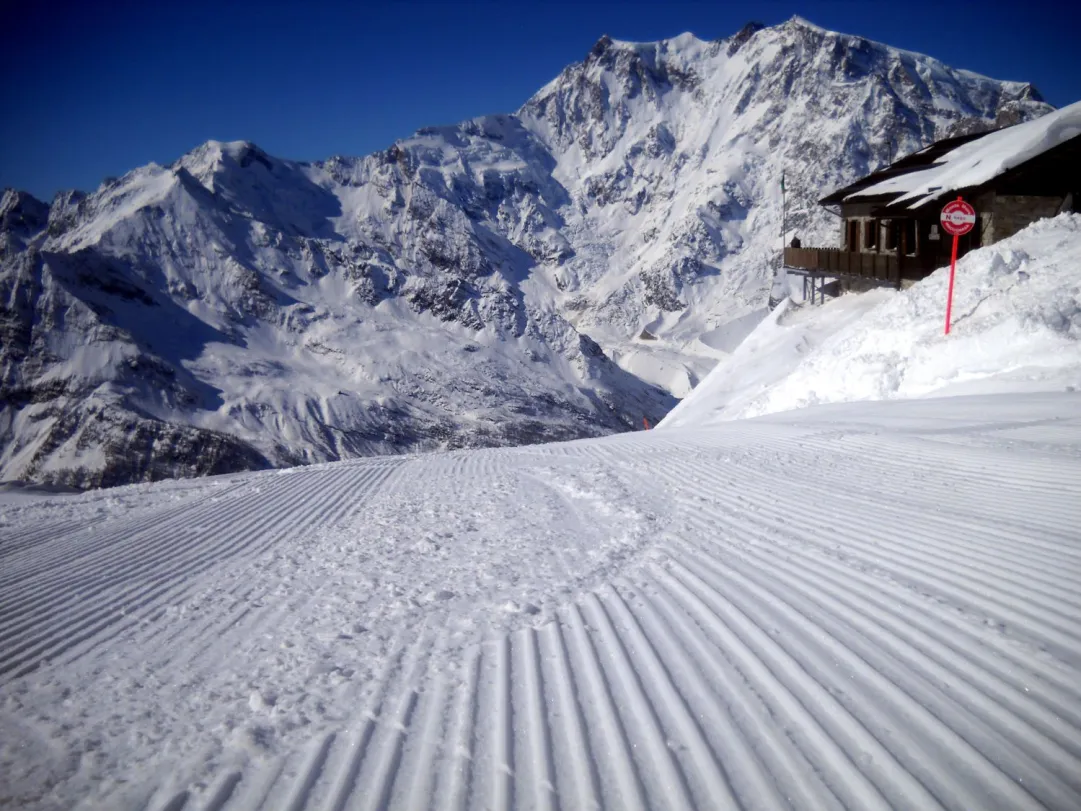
883, 267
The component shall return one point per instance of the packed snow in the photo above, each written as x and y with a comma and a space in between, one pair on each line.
870, 605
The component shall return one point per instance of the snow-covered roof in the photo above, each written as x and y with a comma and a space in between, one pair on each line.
978, 161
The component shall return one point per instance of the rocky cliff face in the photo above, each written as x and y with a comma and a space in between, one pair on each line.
556, 273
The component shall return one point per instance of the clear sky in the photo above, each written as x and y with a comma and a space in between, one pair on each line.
98, 87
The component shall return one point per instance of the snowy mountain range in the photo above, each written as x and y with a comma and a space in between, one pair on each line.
563, 271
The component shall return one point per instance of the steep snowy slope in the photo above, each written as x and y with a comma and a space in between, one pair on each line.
674, 153
1016, 327
862, 606
509, 279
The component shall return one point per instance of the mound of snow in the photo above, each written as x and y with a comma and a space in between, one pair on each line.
1016, 327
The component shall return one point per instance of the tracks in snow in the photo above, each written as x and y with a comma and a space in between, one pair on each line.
793, 638
86, 587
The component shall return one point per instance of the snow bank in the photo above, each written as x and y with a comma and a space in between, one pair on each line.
1016, 327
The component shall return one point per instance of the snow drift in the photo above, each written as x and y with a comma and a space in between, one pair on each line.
1016, 327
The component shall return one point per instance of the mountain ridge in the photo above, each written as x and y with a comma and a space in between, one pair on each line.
489, 282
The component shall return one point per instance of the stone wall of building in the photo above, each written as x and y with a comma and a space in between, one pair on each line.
1010, 213
985, 217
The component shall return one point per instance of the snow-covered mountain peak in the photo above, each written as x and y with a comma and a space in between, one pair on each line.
796, 21
673, 155
78, 220
214, 158
737, 40
21, 214
247, 181
685, 43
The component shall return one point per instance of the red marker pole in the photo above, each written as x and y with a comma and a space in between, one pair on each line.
957, 218
949, 295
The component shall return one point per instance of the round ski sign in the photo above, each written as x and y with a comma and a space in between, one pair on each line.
958, 217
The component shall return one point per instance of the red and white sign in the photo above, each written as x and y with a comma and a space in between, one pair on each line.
958, 218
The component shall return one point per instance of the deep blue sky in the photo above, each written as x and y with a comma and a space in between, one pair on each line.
96, 88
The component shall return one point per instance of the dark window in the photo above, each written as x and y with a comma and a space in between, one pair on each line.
853, 241
870, 235
908, 244
891, 235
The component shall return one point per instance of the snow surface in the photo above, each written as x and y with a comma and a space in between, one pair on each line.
864, 605
1016, 326
869, 605
982, 160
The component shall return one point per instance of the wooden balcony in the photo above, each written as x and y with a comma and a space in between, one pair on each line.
889, 268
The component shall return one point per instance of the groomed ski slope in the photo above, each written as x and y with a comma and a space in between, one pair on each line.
861, 606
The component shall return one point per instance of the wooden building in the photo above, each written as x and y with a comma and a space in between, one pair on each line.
889, 220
